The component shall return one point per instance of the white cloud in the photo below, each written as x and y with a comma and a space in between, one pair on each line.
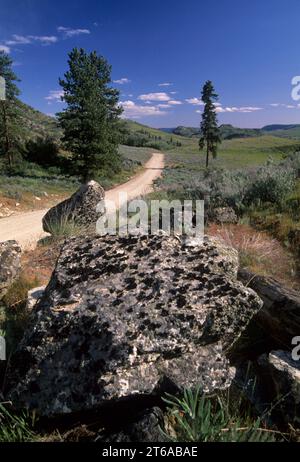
163, 106
173, 92
161, 96
174, 102
44, 39
54, 96
135, 111
286, 106
69, 32
199, 111
243, 109
18, 40
29, 39
165, 84
195, 101
5, 48
122, 81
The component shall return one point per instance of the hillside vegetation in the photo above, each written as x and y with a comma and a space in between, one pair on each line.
230, 132
36, 124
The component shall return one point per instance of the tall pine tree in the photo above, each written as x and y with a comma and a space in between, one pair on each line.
209, 130
10, 123
90, 119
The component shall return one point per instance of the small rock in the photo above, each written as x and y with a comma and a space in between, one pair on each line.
34, 295
80, 207
223, 215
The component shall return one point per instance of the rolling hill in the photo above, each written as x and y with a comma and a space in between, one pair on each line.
229, 132
36, 124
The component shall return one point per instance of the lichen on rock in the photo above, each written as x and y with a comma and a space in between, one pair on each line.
126, 316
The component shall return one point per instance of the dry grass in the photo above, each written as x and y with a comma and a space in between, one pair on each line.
259, 252
40, 262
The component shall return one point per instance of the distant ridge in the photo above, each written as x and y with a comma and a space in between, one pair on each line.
229, 132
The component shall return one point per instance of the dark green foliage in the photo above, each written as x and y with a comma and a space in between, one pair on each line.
90, 121
209, 130
42, 151
10, 126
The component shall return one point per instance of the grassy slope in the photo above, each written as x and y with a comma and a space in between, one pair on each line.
185, 165
36, 124
184, 161
293, 133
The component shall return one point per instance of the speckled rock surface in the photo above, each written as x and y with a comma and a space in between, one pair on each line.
80, 207
130, 316
10, 264
281, 378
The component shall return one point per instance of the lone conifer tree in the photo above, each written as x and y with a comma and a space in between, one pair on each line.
209, 130
10, 126
90, 119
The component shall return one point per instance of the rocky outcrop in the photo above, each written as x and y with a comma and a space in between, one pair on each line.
280, 375
266, 370
10, 264
80, 208
131, 317
278, 322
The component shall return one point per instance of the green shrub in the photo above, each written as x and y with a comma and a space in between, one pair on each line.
271, 184
42, 151
199, 418
15, 428
64, 226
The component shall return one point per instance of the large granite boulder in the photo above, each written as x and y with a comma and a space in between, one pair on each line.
10, 264
80, 208
131, 317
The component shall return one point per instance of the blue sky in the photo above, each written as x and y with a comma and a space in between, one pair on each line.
162, 52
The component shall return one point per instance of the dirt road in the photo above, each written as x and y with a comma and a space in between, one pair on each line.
26, 228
